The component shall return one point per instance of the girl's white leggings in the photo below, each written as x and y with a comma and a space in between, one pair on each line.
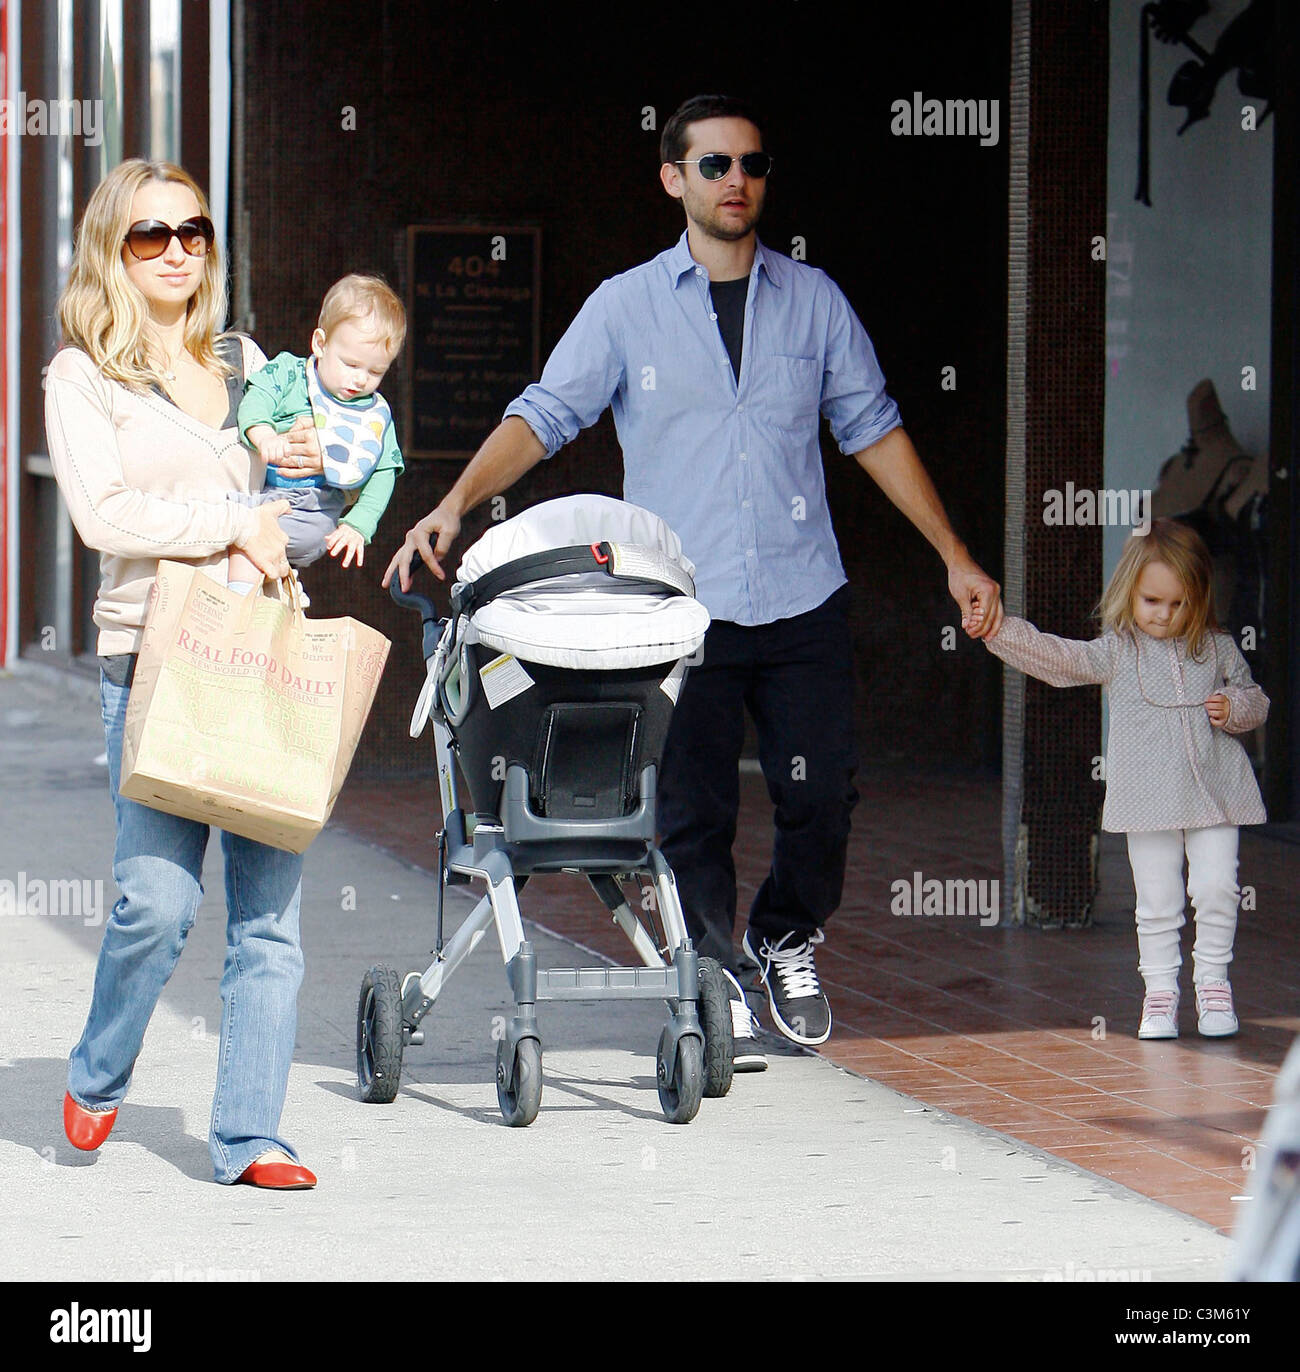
1157, 862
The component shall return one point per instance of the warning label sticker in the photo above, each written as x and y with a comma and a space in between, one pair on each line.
503, 679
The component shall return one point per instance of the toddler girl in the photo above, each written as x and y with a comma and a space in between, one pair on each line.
1176, 779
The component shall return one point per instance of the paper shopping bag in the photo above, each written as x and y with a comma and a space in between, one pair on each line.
243, 713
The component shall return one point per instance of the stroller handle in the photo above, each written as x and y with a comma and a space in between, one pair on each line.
412, 600
432, 625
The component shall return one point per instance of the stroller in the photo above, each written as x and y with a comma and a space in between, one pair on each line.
552, 685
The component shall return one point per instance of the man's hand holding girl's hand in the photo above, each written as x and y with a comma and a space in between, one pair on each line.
980, 598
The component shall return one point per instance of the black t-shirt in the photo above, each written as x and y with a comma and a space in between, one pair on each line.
729, 306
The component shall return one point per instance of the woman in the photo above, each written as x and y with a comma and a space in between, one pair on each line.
140, 418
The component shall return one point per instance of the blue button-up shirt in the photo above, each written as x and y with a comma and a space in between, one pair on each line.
734, 467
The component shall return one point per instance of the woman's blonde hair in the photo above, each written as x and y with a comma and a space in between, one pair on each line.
1181, 549
104, 314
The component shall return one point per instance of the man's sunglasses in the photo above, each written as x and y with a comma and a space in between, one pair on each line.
715, 165
149, 238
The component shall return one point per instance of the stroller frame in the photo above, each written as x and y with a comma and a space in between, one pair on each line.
694, 1054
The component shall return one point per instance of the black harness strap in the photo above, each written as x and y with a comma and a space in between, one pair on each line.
586, 557
473, 595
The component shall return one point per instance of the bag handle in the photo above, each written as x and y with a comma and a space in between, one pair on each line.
292, 596
288, 589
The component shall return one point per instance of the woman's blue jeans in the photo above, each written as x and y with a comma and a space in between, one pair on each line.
158, 866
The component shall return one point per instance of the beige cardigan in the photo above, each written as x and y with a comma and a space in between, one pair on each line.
143, 480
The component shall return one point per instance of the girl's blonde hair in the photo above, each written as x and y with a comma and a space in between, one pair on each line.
1182, 550
101, 311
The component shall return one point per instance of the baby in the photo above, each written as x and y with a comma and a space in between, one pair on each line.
360, 331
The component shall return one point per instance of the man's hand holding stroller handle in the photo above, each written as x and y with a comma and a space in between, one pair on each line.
442, 523
507, 453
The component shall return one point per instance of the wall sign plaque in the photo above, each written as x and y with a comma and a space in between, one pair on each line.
473, 307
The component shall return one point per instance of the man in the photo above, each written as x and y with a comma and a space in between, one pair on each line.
717, 357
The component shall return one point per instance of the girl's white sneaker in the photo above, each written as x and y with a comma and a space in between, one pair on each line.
1159, 1015
1215, 1016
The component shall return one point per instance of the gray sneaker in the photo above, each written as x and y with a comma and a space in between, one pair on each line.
746, 1054
799, 1005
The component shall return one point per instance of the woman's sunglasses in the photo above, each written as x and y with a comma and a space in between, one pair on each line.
149, 238
715, 165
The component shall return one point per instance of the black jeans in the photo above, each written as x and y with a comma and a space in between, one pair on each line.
795, 677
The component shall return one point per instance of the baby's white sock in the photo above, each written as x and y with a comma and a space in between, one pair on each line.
239, 587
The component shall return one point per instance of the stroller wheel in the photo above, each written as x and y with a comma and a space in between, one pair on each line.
379, 1036
520, 1098
715, 1019
680, 1082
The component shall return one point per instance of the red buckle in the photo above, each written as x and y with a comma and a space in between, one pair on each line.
600, 557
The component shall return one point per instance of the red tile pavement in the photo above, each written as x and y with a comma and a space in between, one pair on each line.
1027, 1031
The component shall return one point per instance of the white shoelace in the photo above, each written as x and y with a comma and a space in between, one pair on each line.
1159, 1003
795, 965
1214, 997
742, 1021
742, 1017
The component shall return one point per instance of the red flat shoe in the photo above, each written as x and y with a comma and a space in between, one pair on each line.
277, 1176
86, 1129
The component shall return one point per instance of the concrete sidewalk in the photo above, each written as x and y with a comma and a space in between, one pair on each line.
803, 1172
